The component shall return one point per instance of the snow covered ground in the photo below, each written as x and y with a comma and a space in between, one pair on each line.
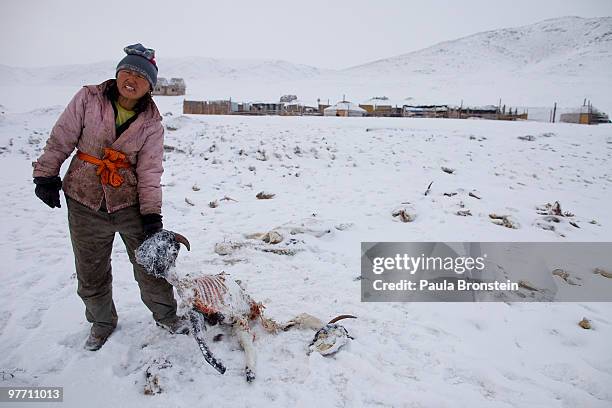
345, 176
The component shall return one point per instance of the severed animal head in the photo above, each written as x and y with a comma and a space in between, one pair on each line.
157, 254
331, 337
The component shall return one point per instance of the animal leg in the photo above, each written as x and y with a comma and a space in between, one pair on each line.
270, 325
198, 327
245, 338
304, 321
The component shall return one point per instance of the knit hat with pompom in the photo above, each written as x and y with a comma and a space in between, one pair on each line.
141, 60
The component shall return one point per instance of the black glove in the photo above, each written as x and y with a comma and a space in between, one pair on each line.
47, 189
151, 224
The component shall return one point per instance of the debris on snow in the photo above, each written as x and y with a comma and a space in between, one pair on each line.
279, 251
403, 215
527, 285
553, 209
262, 195
527, 138
504, 221
152, 376
602, 272
585, 323
344, 226
428, 188
261, 155
271, 237
565, 276
227, 198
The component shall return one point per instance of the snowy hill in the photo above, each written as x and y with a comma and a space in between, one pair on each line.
561, 60
569, 46
189, 68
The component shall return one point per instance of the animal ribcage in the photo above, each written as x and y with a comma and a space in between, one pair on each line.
216, 295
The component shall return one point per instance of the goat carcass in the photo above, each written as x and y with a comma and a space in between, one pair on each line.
218, 299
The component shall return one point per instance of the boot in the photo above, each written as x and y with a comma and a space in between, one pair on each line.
177, 325
97, 338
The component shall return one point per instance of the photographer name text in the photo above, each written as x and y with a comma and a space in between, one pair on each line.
444, 285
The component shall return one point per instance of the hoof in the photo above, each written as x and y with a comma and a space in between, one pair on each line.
250, 375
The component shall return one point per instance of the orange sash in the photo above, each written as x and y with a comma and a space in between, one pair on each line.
108, 166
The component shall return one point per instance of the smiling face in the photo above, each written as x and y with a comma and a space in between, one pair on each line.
131, 84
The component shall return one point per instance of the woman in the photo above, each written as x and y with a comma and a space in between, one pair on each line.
112, 185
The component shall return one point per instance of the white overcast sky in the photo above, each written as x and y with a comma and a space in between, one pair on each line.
326, 34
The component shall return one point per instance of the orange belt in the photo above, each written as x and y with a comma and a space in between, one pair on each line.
108, 166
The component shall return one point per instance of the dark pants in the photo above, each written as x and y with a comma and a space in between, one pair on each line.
92, 234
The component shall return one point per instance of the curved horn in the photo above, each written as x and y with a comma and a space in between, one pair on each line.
337, 318
182, 240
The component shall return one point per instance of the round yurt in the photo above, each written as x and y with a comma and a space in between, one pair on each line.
344, 108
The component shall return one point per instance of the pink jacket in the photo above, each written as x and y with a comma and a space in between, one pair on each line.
88, 123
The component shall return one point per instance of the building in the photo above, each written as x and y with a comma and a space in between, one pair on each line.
485, 112
381, 106
176, 86
220, 107
300, 108
344, 108
425, 111
266, 108
468, 112
585, 115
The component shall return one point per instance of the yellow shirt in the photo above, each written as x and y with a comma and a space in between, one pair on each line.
123, 115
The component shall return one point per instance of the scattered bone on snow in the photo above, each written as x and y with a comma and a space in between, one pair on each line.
553, 209
403, 215
504, 221
271, 237
527, 285
603, 273
565, 276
